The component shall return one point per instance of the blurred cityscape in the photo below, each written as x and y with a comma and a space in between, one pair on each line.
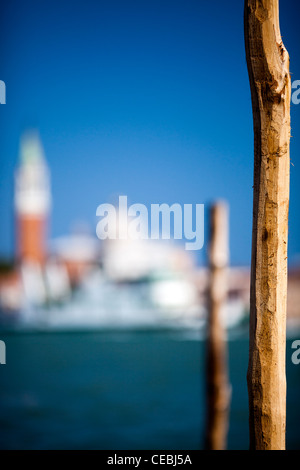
78, 281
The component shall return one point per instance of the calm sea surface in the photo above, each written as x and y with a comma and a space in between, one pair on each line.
121, 390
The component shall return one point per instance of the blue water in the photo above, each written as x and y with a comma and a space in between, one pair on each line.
120, 390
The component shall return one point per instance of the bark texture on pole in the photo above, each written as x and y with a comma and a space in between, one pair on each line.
268, 67
218, 388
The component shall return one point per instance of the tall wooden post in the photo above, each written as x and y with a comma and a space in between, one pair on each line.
218, 388
268, 67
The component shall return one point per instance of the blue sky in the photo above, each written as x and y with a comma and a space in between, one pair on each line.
145, 98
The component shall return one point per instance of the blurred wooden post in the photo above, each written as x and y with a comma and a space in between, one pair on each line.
218, 388
268, 67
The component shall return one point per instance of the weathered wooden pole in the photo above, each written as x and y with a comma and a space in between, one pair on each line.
217, 383
268, 67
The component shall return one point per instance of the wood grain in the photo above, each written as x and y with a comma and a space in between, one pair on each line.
268, 67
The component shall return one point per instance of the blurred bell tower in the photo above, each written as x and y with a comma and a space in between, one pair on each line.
32, 201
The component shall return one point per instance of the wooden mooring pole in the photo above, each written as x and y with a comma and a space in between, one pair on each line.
217, 384
268, 67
